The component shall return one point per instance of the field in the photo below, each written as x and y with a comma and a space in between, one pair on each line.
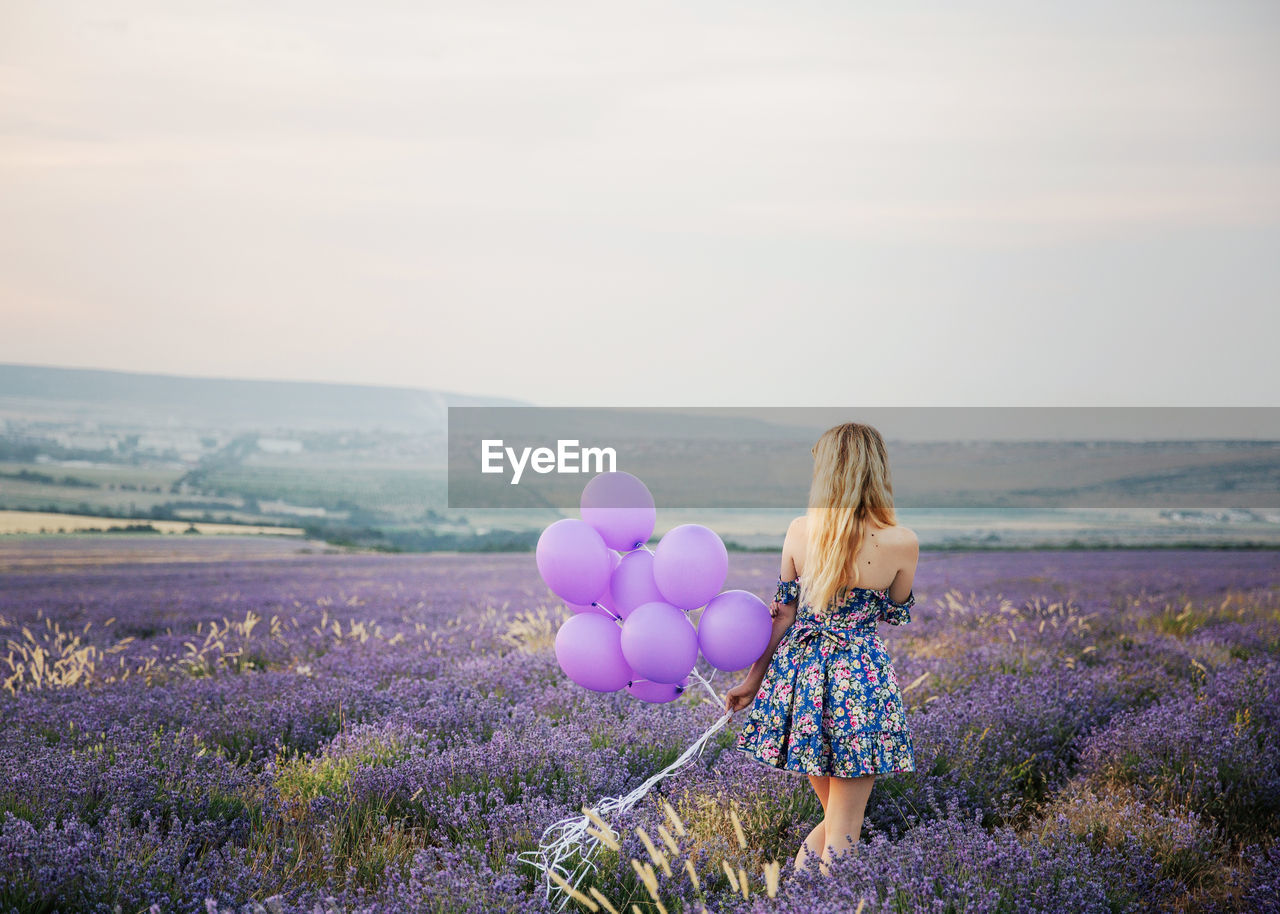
242, 724
29, 522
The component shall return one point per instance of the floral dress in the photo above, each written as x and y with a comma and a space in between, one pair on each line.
829, 703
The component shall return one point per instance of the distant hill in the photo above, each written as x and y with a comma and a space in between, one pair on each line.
368, 465
157, 399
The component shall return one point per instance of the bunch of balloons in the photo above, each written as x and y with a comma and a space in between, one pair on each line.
631, 627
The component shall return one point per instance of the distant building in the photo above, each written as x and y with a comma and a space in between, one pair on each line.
283, 507
76, 440
280, 445
164, 442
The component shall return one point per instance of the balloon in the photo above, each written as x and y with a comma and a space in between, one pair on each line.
573, 561
690, 565
620, 508
603, 604
606, 598
657, 693
589, 650
659, 642
632, 583
734, 630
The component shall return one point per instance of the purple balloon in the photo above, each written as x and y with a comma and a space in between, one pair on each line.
734, 630
690, 565
620, 507
573, 561
632, 583
603, 604
607, 599
659, 642
589, 650
657, 693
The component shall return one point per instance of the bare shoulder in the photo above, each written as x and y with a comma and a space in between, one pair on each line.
797, 537
794, 547
898, 536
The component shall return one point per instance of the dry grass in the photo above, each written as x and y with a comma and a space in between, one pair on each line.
46, 656
50, 657
1112, 815
1181, 620
681, 849
533, 631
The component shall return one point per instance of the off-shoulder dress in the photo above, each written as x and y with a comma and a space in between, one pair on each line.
829, 703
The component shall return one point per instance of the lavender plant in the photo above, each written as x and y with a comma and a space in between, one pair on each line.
1094, 731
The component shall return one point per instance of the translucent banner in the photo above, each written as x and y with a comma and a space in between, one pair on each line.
983, 457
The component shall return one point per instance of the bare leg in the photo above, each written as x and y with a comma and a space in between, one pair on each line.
817, 838
847, 801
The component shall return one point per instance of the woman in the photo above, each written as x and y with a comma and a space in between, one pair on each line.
827, 704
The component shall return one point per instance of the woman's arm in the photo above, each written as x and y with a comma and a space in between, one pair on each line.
784, 616
909, 547
897, 611
744, 692
784, 619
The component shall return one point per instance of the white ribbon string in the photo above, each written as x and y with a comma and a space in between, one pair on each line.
613, 615
561, 839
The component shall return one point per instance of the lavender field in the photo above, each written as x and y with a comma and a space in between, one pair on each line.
239, 726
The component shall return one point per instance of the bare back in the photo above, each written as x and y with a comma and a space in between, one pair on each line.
886, 561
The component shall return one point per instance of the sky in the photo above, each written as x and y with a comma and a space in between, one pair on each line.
695, 204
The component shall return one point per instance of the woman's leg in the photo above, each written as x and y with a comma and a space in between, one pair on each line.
813, 844
846, 802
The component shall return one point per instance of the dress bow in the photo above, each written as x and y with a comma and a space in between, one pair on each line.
807, 631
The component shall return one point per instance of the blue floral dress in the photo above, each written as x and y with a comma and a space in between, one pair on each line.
829, 703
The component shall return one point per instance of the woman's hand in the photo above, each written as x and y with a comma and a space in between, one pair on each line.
774, 608
741, 695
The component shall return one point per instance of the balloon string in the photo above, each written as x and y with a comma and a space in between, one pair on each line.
616, 617
706, 683
693, 674
576, 833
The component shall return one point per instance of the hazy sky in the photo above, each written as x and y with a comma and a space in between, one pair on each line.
697, 203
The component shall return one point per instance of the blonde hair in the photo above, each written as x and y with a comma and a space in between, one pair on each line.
850, 484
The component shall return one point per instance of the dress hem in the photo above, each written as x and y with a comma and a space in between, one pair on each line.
750, 753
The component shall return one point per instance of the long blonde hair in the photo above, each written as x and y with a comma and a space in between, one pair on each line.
850, 484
